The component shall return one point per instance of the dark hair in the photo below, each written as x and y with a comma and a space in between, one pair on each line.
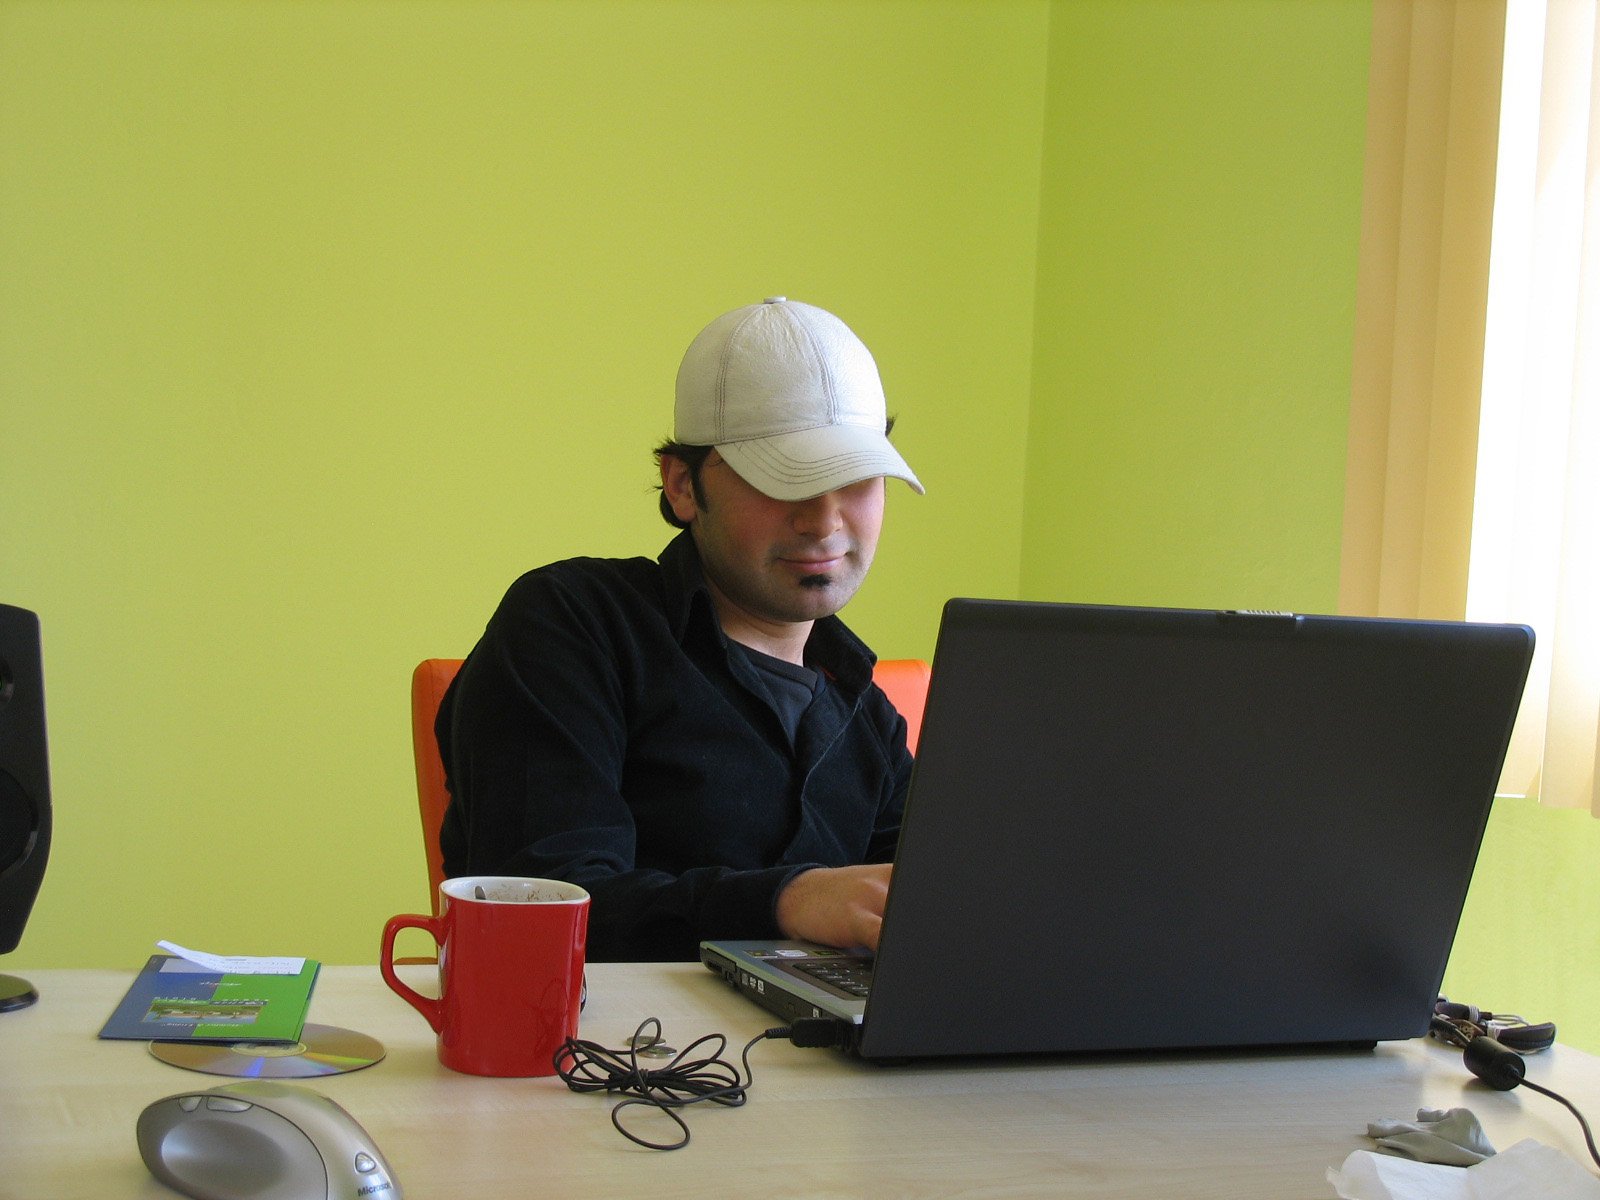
694, 457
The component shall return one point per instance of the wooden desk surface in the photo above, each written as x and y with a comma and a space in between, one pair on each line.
817, 1124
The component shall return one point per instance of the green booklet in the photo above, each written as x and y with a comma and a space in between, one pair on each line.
175, 1000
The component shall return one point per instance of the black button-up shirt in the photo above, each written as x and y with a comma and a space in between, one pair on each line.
601, 732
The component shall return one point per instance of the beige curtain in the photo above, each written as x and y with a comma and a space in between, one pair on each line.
1432, 108
1536, 535
1470, 489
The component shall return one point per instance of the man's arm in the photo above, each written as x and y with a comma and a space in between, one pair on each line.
843, 906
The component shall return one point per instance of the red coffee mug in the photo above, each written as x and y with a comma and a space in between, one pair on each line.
510, 971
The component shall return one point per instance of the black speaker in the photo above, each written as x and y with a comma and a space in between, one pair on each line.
24, 785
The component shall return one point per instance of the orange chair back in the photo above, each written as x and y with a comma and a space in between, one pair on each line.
904, 681
428, 684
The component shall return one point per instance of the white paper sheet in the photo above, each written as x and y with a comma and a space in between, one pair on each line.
236, 964
1527, 1171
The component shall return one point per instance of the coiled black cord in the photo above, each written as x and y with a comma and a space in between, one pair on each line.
590, 1067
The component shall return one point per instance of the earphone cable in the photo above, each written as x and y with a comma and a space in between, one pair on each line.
590, 1067
1588, 1134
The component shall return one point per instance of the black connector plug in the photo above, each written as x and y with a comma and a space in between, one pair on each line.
820, 1033
1499, 1066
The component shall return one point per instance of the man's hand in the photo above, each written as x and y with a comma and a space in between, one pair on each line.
836, 906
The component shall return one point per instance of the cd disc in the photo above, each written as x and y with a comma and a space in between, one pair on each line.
321, 1050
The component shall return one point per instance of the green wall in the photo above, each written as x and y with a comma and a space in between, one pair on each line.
1201, 208
1530, 936
319, 322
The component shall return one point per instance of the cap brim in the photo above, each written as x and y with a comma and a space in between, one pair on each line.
810, 462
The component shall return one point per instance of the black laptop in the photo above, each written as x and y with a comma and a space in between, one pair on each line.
1140, 829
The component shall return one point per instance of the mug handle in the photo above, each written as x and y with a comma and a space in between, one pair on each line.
432, 1010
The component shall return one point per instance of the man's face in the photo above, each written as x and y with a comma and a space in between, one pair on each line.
777, 562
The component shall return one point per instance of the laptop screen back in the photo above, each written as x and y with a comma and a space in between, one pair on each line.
1143, 828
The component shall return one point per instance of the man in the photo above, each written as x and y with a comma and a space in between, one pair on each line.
697, 740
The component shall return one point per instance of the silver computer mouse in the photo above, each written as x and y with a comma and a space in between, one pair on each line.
262, 1140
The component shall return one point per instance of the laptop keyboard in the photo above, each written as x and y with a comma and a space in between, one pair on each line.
852, 976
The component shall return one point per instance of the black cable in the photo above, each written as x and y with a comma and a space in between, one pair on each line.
590, 1067
1588, 1135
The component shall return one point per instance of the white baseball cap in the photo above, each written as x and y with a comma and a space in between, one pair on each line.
791, 399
